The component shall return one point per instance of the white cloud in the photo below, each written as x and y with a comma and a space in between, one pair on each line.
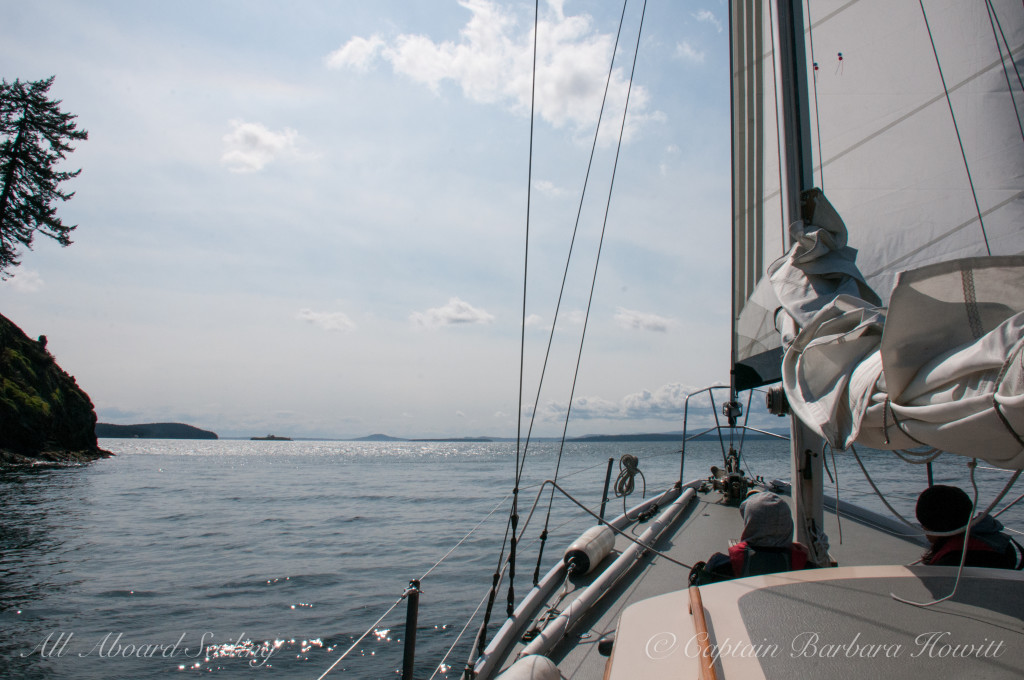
688, 52
576, 316
329, 321
548, 188
251, 146
668, 158
708, 17
664, 403
26, 281
455, 312
492, 63
357, 53
534, 320
632, 319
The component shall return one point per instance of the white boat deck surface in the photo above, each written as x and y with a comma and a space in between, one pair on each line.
834, 623
707, 526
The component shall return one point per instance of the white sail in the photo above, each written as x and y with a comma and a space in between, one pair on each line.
919, 146
758, 224
897, 159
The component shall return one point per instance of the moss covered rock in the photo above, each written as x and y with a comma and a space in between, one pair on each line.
44, 414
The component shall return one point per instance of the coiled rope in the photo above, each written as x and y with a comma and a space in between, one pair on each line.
629, 467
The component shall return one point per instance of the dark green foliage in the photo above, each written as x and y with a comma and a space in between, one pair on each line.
36, 136
43, 412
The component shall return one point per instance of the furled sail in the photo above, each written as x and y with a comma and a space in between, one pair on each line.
942, 367
918, 142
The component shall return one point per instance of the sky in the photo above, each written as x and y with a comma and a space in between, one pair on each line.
310, 218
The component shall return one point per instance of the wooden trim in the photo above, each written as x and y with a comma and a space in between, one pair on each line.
608, 665
700, 625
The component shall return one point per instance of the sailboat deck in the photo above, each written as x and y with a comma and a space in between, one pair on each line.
708, 521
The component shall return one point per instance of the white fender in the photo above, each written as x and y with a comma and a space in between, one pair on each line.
533, 667
587, 551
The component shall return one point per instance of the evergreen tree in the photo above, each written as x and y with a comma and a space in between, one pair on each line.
35, 136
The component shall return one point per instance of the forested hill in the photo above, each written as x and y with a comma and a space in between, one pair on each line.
153, 431
44, 414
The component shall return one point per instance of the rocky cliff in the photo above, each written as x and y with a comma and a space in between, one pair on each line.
44, 414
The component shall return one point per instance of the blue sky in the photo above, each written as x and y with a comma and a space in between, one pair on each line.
308, 218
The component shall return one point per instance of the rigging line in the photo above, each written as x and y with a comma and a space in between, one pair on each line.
925, 105
900, 517
893, 265
561, 292
513, 516
1009, 505
905, 456
604, 226
572, 242
368, 630
814, 74
956, 127
746, 420
778, 132
526, 251
481, 638
458, 637
878, 493
910, 114
997, 32
963, 552
839, 521
464, 538
620, 532
718, 427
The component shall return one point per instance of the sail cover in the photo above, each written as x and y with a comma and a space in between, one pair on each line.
918, 142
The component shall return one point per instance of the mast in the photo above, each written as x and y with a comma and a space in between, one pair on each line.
806, 467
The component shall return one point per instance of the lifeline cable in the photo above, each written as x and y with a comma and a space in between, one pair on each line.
368, 630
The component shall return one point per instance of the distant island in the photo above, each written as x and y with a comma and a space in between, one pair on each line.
379, 438
152, 431
270, 438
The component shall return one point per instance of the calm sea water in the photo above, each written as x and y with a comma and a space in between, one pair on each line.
240, 559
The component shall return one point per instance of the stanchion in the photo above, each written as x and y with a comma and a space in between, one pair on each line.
411, 614
607, 482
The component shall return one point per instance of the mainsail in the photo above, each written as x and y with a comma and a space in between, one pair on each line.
918, 142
